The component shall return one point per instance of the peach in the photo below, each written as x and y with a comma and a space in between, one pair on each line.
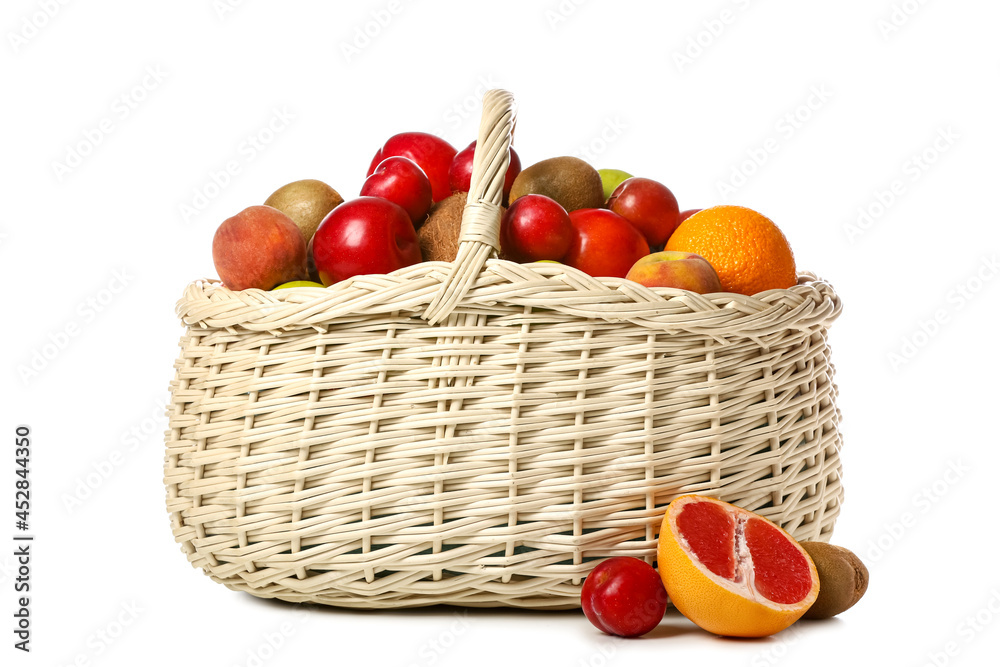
672, 268
259, 247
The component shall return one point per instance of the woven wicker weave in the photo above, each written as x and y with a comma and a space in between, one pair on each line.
480, 433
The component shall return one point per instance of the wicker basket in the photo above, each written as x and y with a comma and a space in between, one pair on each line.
480, 433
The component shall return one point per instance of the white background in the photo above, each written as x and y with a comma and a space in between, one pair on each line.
601, 79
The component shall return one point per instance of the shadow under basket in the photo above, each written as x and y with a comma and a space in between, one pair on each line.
480, 432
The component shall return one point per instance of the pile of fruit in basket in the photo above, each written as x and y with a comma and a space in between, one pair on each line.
606, 223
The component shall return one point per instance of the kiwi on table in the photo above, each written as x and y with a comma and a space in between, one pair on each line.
843, 579
569, 180
306, 202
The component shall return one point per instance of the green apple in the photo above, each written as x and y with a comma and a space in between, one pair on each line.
611, 179
298, 283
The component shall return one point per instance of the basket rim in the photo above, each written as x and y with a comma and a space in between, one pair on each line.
505, 286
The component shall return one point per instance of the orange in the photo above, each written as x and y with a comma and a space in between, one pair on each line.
732, 572
746, 249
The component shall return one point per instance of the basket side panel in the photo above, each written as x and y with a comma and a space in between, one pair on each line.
488, 460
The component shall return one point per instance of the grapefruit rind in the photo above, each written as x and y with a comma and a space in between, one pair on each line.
723, 607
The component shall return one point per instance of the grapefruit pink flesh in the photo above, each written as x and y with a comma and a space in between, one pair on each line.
745, 549
781, 572
710, 532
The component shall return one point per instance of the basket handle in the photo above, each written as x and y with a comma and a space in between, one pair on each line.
480, 235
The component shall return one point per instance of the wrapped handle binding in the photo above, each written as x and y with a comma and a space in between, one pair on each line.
480, 233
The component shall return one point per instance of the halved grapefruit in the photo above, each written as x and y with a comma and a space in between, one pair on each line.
732, 572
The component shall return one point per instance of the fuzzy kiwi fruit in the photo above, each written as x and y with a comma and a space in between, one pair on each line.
569, 180
843, 579
306, 202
